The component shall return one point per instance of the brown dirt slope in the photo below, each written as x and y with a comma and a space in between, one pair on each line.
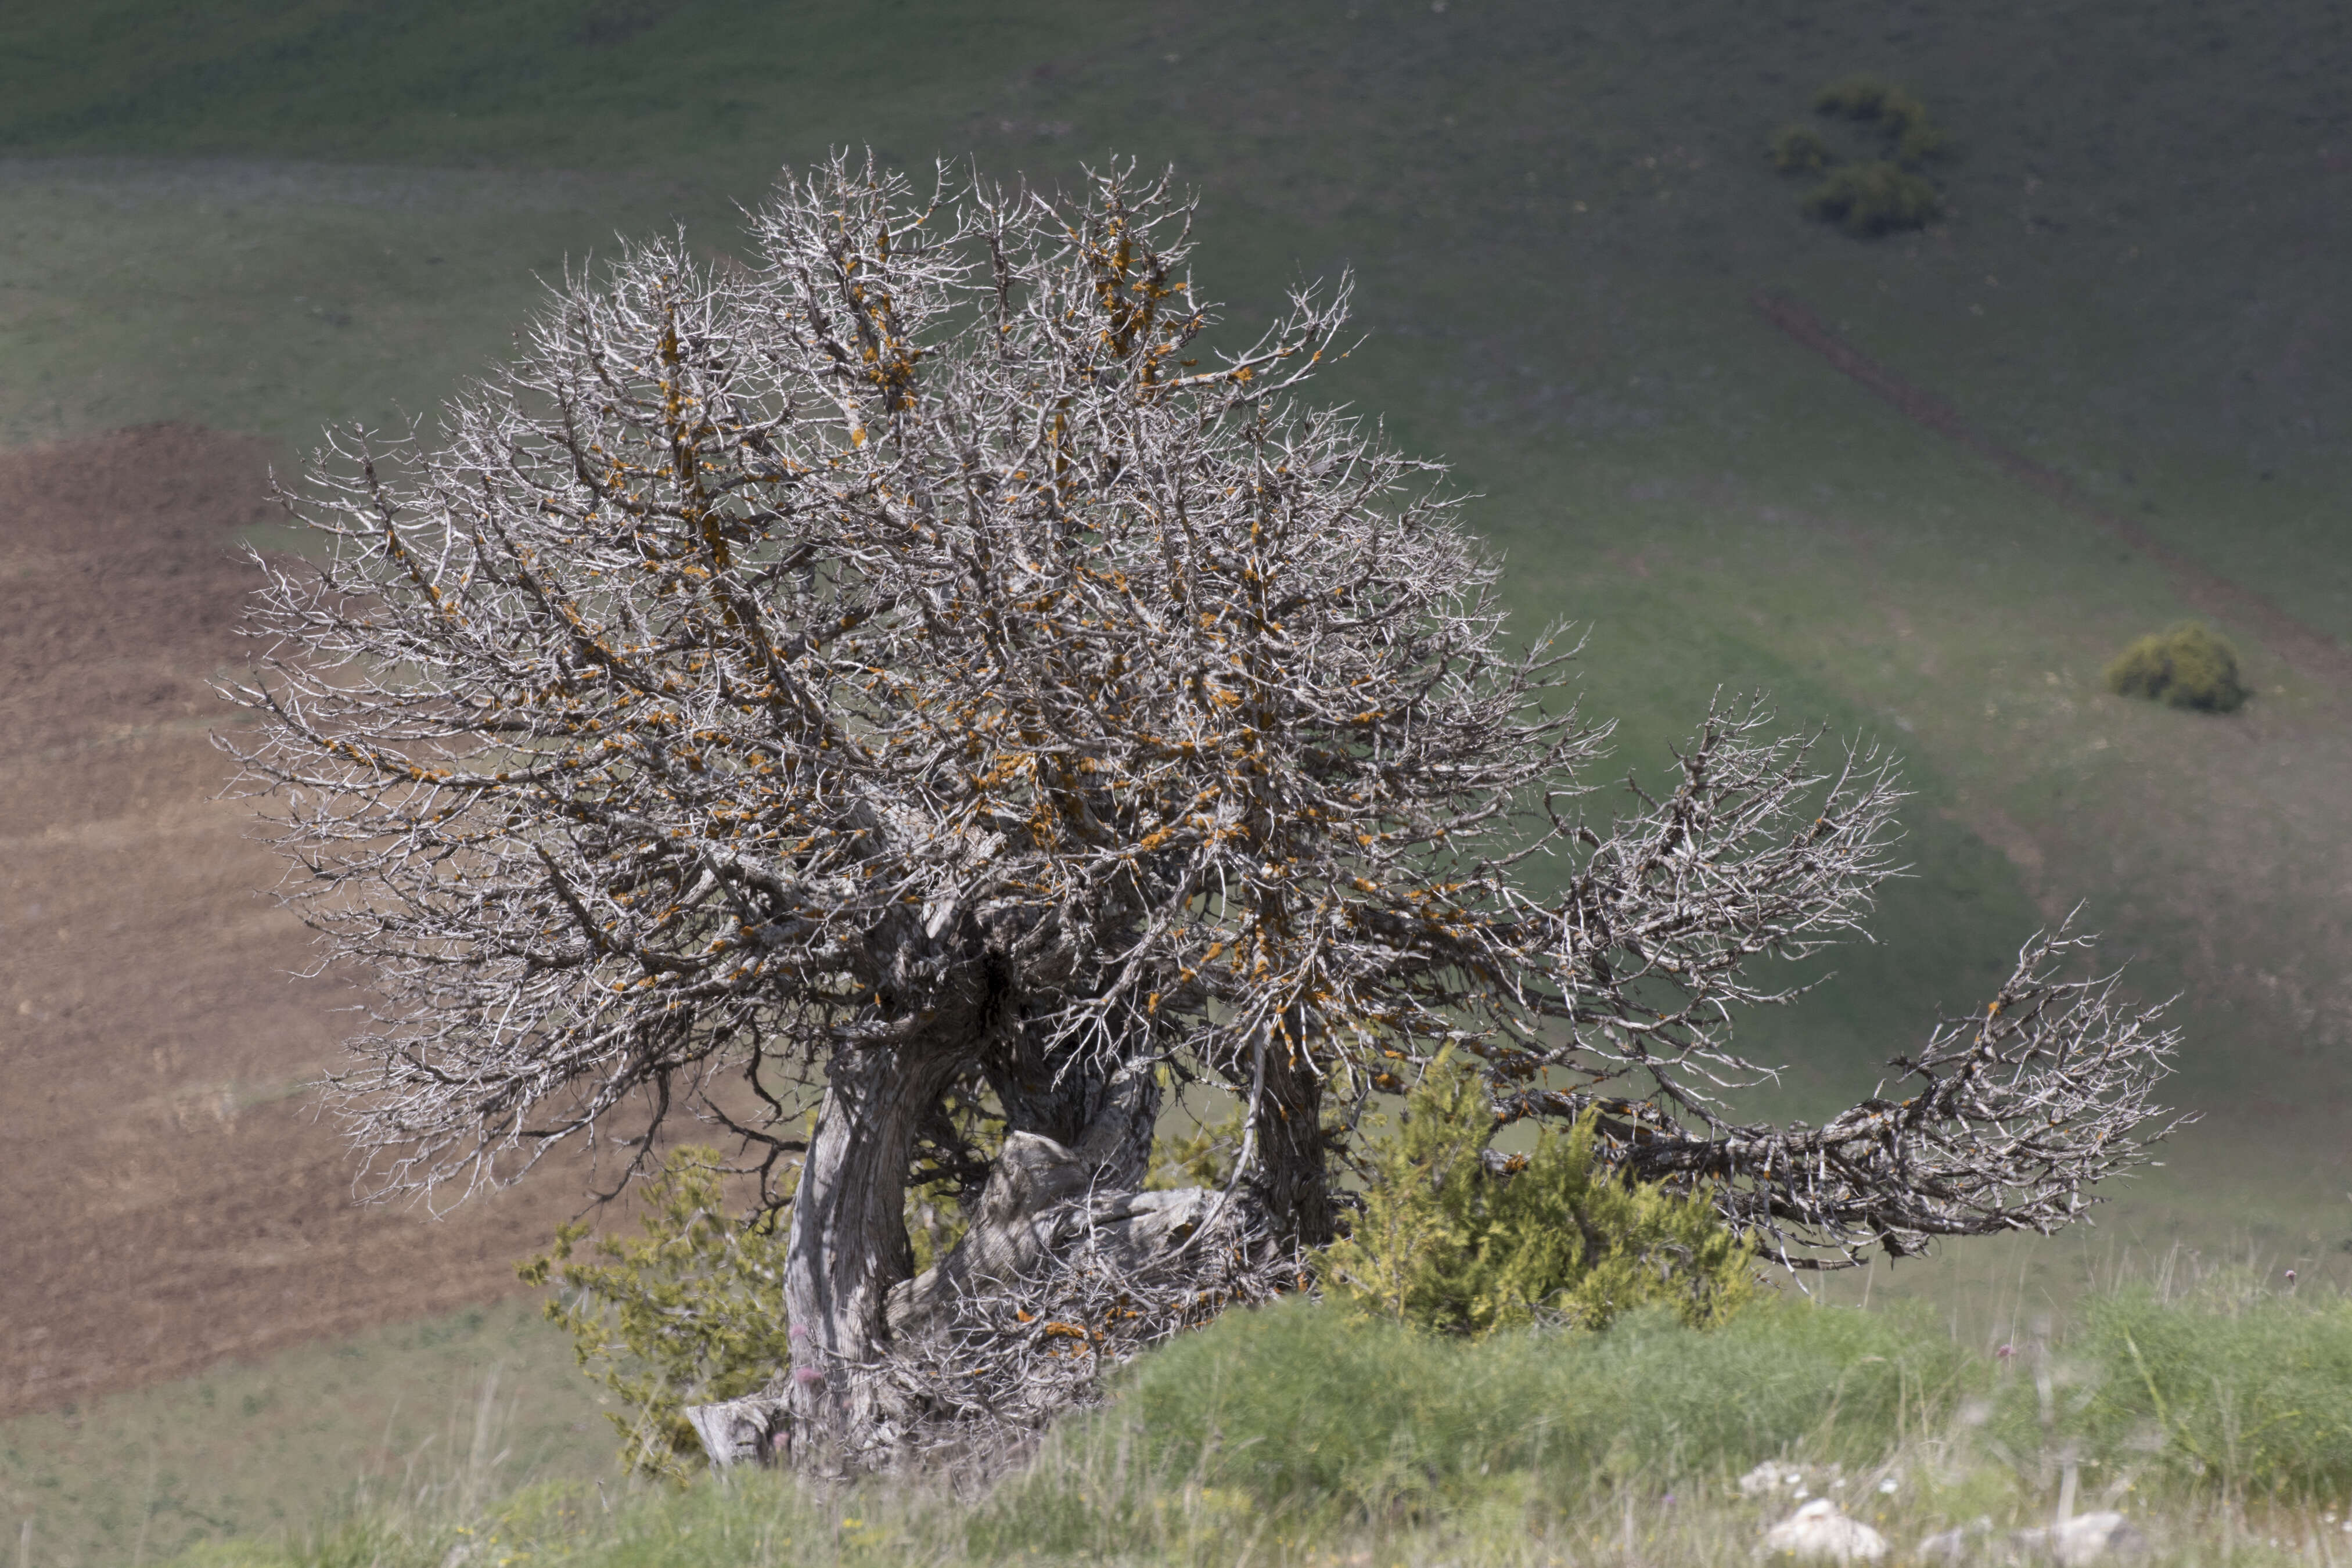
167, 1197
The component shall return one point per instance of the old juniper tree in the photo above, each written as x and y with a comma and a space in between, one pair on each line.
915, 677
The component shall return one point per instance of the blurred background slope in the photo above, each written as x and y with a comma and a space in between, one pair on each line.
246, 219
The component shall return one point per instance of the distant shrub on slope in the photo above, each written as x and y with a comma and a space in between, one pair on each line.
1878, 195
2188, 666
1800, 150
1897, 112
1870, 199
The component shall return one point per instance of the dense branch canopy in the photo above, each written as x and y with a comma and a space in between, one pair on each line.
924, 633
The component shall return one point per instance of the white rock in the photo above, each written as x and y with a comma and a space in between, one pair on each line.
739, 1431
2082, 1539
1821, 1529
1769, 1478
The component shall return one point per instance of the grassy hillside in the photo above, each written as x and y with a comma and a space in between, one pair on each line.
262, 215
2134, 279
449, 1413
1291, 1436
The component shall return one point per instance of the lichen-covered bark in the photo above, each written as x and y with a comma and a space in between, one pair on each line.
848, 1243
1105, 1159
849, 1287
1078, 1102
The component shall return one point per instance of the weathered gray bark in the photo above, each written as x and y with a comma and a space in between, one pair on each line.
754, 1430
848, 1289
1016, 1222
1009, 1235
1110, 1111
848, 1243
1043, 1237
1059, 1282
1039, 1209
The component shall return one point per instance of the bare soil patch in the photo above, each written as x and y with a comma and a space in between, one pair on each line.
169, 1197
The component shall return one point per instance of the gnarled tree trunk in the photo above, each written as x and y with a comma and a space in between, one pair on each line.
849, 1267
1009, 1232
1109, 1109
850, 1293
848, 1243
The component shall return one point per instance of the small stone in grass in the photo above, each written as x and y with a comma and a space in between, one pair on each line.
1769, 1478
1820, 1531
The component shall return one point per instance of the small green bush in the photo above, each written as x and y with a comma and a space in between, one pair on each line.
1853, 97
1800, 150
1444, 1242
1872, 199
1885, 194
689, 1313
1893, 110
1916, 138
2188, 666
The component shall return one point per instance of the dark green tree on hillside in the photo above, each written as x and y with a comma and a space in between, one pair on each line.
914, 679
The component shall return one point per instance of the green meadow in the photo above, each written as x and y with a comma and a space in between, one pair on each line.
263, 215
1292, 1435
447, 1415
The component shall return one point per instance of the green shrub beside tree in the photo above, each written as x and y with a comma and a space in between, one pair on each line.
1457, 1238
684, 1314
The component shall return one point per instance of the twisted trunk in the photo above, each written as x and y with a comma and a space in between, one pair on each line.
1109, 1110
849, 1287
1009, 1234
847, 1244
881, 1359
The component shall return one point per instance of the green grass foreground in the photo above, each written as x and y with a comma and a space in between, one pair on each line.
2220, 1420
